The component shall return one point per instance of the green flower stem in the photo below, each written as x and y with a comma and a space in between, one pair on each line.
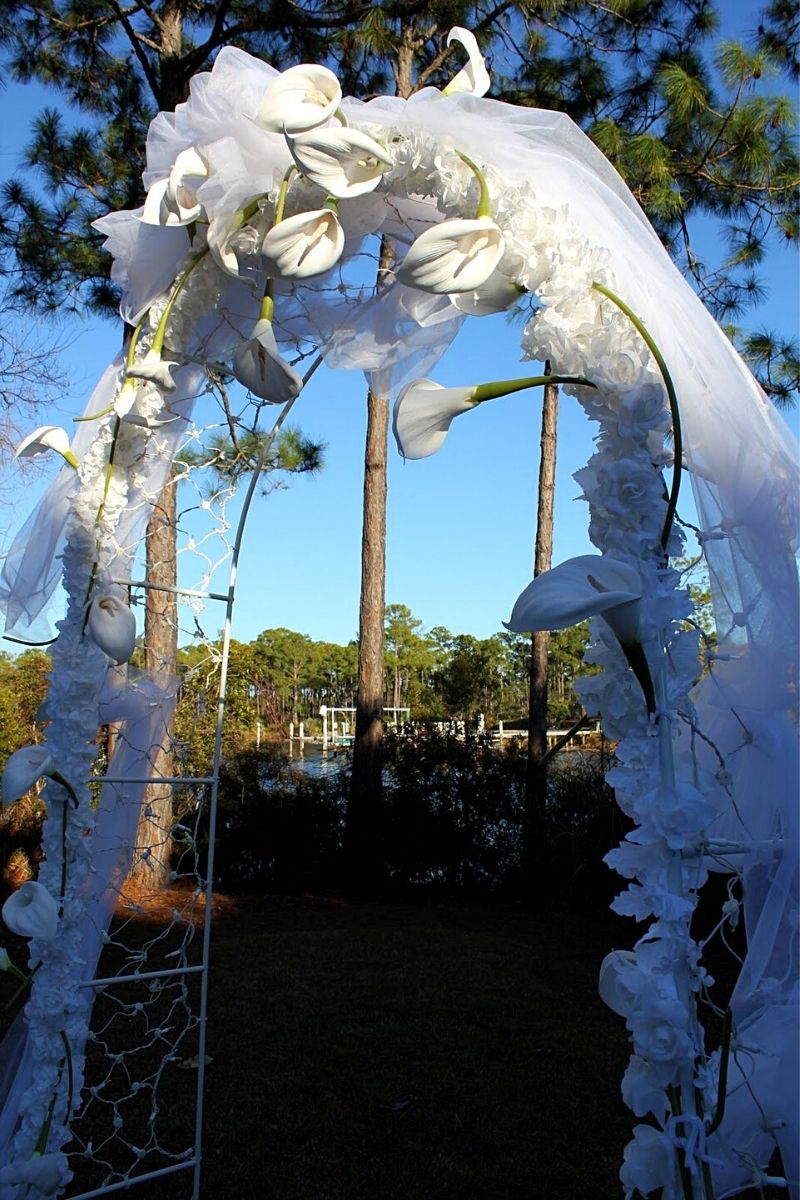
20, 976
677, 435
281, 203
126, 383
244, 214
686, 1175
341, 118
65, 783
44, 1132
26, 981
708, 1181
70, 1076
161, 330
637, 661
267, 310
722, 1087
63, 856
504, 387
484, 203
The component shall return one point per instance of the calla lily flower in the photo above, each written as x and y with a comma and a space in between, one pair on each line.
344, 162
45, 1173
301, 98
46, 437
422, 415
473, 78
453, 256
112, 627
155, 369
22, 770
304, 245
497, 294
424, 409
587, 586
612, 991
31, 911
259, 366
173, 201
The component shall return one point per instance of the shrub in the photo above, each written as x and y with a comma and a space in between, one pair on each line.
278, 829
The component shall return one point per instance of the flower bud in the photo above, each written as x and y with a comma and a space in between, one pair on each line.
31, 911
112, 626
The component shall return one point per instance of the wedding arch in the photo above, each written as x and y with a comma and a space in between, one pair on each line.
267, 193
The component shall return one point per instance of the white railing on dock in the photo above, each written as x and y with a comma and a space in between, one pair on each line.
553, 735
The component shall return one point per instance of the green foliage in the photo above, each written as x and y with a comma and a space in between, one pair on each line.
277, 828
777, 363
779, 36
285, 676
452, 813
23, 685
450, 823
229, 458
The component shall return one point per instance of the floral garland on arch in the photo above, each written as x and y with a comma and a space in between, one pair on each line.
265, 194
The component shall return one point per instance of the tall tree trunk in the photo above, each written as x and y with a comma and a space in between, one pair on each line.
362, 839
153, 838
534, 825
363, 859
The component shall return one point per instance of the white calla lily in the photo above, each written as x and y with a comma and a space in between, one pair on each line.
112, 627
22, 770
46, 437
229, 239
154, 369
307, 244
258, 365
497, 294
612, 991
173, 201
301, 98
344, 162
453, 256
45, 1173
422, 415
424, 409
31, 911
587, 586
473, 78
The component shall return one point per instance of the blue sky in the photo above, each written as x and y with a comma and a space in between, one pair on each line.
460, 524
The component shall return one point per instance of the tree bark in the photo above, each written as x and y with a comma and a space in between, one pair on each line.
151, 864
364, 867
534, 824
363, 858
153, 838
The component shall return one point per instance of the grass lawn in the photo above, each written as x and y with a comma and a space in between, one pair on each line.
391, 1052
376, 1051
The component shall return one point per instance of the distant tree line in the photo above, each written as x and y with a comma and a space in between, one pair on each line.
284, 675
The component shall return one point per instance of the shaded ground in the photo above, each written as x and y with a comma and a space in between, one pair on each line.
386, 1052
375, 1052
